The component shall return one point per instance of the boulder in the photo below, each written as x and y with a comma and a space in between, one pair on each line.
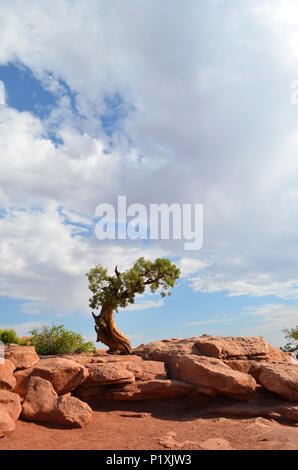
276, 355
7, 379
99, 377
230, 347
22, 357
11, 403
248, 365
221, 347
73, 412
110, 373
7, 424
278, 378
42, 404
214, 375
166, 349
241, 365
239, 353
10, 409
146, 370
64, 374
22, 379
149, 390
113, 373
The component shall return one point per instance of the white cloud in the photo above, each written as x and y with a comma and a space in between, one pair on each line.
275, 312
43, 263
281, 16
271, 320
212, 123
189, 266
144, 305
257, 285
211, 322
2, 93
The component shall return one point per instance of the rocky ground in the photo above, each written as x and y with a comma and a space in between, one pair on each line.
196, 393
174, 425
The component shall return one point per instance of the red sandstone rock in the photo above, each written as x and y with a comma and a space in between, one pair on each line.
65, 375
110, 373
7, 424
108, 358
166, 349
241, 365
276, 355
22, 357
150, 390
22, 378
7, 379
124, 372
214, 374
279, 378
43, 404
11, 402
10, 409
100, 376
229, 347
73, 412
146, 370
102, 358
221, 347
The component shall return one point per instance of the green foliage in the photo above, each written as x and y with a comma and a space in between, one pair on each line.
292, 340
58, 340
120, 290
9, 336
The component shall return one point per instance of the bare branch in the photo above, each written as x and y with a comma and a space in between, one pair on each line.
117, 272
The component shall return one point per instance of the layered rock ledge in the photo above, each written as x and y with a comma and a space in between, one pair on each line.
60, 389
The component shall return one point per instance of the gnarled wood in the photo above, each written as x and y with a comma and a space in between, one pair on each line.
108, 333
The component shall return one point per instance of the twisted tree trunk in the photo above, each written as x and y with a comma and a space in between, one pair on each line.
108, 333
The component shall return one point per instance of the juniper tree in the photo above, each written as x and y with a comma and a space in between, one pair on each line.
109, 293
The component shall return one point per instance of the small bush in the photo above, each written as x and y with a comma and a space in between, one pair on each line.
58, 340
292, 341
9, 336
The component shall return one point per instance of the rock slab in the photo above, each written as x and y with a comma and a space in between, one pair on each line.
213, 374
10, 409
7, 379
64, 374
22, 357
44, 405
150, 390
278, 378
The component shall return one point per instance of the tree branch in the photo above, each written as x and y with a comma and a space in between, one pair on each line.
125, 294
117, 272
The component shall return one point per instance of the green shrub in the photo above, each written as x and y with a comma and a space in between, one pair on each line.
292, 340
9, 336
58, 340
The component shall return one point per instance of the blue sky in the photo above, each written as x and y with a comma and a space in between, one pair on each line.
96, 107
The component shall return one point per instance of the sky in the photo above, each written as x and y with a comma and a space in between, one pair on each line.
163, 102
